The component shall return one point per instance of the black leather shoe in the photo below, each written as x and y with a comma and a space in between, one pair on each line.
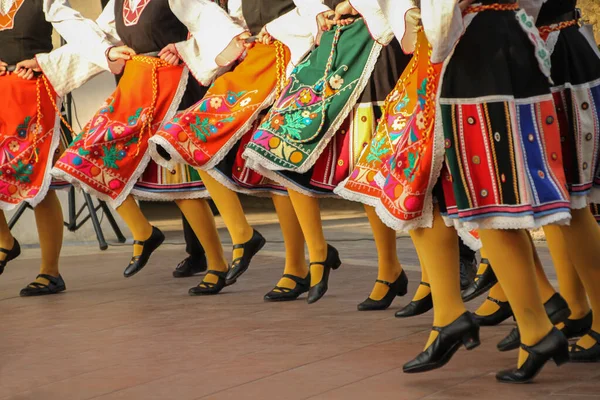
280, 293
483, 282
208, 288
502, 314
191, 266
553, 346
241, 264
580, 355
558, 311
463, 331
10, 255
55, 285
397, 288
416, 307
148, 247
468, 271
575, 328
332, 262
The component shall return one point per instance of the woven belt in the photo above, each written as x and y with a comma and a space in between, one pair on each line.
553, 20
490, 2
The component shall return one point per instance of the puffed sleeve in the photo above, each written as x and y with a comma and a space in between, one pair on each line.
83, 57
212, 31
443, 25
375, 19
404, 18
298, 28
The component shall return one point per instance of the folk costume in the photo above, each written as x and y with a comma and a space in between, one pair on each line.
576, 91
496, 128
111, 154
210, 134
30, 121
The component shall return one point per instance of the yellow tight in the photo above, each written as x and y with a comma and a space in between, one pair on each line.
389, 268
295, 262
490, 307
228, 203
582, 238
309, 215
435, 244
422, 291
200, 217
6, 238
137, 223
569, 283
516, 274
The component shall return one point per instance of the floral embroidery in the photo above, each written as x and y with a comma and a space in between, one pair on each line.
22, 172
22, 128
421, 121
14, 146
336, 82
216, 102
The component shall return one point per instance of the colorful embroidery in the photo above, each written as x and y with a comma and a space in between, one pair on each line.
314, 103
7, 21
203, 134
132, 16
541, 51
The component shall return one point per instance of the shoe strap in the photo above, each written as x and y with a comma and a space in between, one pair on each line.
183, 263
282, 289
493, 300
218, 274
239, 246
134, 259
437, 329
52, 279
594, 335
297, 279
388, 284
485, 261
5, 251
139, 242
425, 284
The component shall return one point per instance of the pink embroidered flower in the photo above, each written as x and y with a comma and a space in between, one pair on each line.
421, 121
398, 124
245, 102
216, 102
336, 82
14, 146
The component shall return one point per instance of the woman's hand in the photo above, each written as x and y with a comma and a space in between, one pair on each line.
242, 39
464, 4
344, 9
264, 37
120, 53
27, 69
325, 20
3, 67
170, 55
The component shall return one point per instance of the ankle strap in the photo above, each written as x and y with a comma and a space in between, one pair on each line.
218, 274
295, 278
493, 300
425, 284
139, 242
388, 284
484, 261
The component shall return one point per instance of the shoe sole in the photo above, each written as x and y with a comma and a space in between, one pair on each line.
43, 294
241, 271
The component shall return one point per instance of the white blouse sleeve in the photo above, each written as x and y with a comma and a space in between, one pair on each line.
376, 21
82, 58
298, 28
404, 18
212, 31
235, 11
443, 25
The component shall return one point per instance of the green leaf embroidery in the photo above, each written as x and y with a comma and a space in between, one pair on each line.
22, 172
111, 156
377, 150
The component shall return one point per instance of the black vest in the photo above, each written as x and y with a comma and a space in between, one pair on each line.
555, 11
258, 13
31, 34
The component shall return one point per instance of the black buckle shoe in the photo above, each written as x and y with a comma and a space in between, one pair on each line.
55, 285
575, 328
208, 288
397, 288
558, 311
463, 331
280, 293
497, 317
149, 245
416, 307
10, 254
580, 355
483, 282
553, 346
190, 266
332, 262
241, 264
468, 271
